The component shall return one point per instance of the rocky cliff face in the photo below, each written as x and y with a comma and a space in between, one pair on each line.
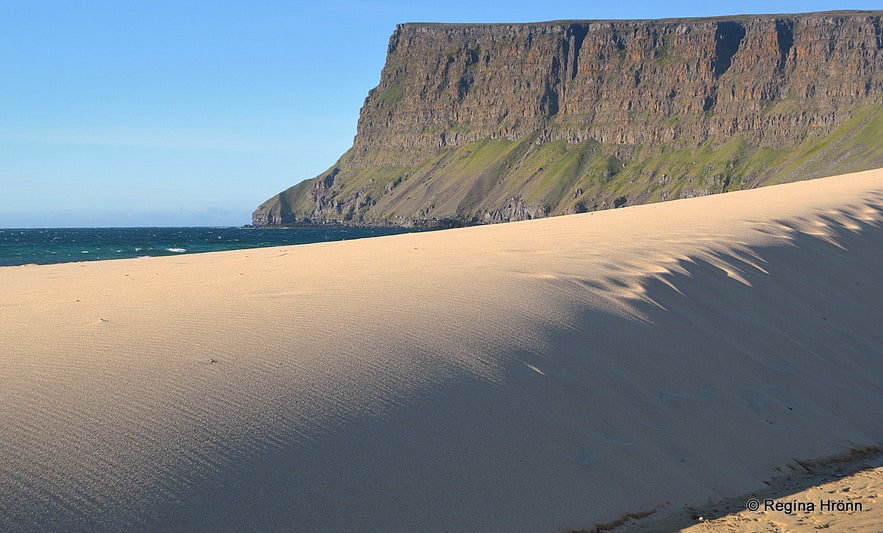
489, 123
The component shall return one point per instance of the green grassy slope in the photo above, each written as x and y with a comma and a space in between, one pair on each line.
489, 180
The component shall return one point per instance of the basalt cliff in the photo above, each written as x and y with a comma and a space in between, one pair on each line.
485, 123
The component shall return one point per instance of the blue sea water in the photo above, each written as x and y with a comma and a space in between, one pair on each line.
62, 245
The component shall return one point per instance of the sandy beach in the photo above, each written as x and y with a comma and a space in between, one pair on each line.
836, 494
550, 375
837, 500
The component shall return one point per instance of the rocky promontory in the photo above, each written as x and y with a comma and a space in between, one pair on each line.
487, 123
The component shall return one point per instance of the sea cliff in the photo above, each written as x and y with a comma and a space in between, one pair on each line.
476, 124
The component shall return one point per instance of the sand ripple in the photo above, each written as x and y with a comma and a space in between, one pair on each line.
544, 375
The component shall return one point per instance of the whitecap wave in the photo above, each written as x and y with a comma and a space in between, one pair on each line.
177, 250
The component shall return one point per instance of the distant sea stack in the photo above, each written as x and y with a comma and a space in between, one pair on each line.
485, 123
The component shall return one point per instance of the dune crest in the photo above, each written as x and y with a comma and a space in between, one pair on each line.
544, 375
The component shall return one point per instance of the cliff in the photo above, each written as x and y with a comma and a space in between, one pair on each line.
489, 123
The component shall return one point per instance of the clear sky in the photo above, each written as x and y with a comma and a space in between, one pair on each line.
134, 112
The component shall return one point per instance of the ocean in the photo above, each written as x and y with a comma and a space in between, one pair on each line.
63, 245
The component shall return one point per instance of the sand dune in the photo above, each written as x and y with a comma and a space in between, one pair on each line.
537, 376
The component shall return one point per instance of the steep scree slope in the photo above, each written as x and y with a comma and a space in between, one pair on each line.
488, 123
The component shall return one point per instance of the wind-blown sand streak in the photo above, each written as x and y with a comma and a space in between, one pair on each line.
545, 375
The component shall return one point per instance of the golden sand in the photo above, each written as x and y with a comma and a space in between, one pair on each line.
538, 376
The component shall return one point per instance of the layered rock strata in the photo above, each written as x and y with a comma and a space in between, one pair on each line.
490, 123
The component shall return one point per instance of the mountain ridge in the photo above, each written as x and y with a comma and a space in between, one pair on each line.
483, 123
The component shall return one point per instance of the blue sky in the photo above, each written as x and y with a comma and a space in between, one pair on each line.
131, 113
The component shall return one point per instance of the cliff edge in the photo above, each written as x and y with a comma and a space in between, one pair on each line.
475, 124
